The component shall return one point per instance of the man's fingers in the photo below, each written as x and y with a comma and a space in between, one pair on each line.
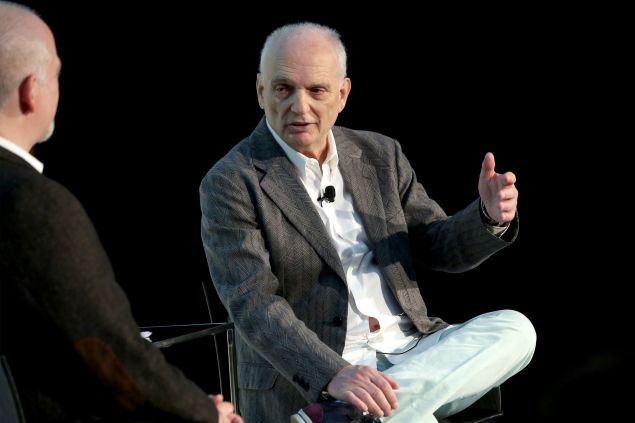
378, 394
386, 384
225, 408
353, 399
509, 178
218, 398
366, 389
391, 381
376, 402
505, 210
507, 193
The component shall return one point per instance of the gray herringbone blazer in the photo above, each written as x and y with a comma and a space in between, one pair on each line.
280, 278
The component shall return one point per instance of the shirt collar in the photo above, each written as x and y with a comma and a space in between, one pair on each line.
299, 160
18, 151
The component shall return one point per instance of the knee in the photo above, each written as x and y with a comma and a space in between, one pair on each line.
519, 328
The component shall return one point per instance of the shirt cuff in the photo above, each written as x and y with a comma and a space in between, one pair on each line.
492, 226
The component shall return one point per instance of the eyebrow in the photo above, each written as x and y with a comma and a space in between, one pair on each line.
280, 81
286, 81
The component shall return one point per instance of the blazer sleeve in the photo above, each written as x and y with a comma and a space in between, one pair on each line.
66, 276
452, 244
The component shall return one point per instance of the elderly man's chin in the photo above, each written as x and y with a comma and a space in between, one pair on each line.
48, 134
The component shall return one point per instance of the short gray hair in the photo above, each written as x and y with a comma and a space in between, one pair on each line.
287, 31
22, 53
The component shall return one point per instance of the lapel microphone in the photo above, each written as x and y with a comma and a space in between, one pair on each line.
328, 195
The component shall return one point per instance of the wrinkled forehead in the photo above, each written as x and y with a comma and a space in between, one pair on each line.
312, 51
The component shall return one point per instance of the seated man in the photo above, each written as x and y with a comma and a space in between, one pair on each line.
66, 327
310, 232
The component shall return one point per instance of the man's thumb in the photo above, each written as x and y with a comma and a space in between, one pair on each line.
487, 168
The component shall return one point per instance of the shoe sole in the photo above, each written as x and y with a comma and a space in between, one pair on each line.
300, 417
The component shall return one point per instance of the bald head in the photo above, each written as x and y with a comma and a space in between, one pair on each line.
29, 80
25, 47
300, 37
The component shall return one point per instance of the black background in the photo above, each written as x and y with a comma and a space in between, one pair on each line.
152, 95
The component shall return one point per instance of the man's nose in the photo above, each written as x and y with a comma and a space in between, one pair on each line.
300, 102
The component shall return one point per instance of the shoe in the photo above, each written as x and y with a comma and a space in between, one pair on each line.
332, 412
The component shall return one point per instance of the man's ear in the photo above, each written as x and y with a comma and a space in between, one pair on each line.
27, 93
345, 90
259, 89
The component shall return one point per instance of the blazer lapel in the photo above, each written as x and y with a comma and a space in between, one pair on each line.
281, 183
360, 180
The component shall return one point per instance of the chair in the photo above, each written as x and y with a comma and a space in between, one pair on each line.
213, 330
10, 408
487, 409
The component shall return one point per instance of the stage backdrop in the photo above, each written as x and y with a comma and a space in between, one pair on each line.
152, 96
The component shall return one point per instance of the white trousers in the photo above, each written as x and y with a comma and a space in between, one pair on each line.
451, 369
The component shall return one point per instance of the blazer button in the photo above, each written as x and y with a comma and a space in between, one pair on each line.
337, 321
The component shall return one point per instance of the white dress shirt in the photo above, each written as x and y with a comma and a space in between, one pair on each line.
368, 294
18, 151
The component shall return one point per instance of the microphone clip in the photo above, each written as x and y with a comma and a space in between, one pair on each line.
327, 195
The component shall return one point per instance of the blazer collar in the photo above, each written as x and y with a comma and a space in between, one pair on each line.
281, 183
15, 159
